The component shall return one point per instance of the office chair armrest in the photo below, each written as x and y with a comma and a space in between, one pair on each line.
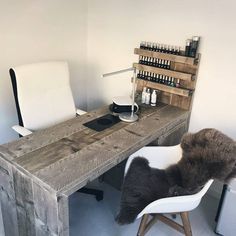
80, 112
21, 130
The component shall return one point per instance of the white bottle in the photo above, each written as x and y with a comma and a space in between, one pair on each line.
147, 97
144, 94
154, 98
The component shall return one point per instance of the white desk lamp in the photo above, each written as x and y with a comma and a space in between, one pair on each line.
127, 116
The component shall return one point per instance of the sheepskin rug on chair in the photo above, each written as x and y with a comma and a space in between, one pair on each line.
207, 154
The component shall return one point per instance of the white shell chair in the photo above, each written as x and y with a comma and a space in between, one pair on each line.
162, 157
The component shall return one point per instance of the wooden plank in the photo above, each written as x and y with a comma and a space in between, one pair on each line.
185, 68
44, 137
162, 87
51, 212
180, 101
160, 71
6, 154
56, 151
7, 199
165, 56
2, 233
93, 160
24, 203
195, 81
63, 215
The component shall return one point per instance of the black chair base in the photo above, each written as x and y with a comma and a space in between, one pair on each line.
97, 193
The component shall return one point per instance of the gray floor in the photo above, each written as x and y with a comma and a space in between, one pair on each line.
91, 218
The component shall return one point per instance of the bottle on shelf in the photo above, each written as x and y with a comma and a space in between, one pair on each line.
187, 47
161, 79
169, 81
148, 46
144, 61
168, 65
141, 60
177, 50
172, 82
156, 78
194, 46
172, 50
154, 98
155, 62
145, 75
142, 45
143, 99
177, 85
147, 97
155, 47
139, 74
150, 61
153, 77
142, 75
169, 49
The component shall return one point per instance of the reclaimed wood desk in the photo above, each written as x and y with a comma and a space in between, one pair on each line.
39, 172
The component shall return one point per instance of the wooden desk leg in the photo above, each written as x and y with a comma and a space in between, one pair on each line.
51, 212
29, 209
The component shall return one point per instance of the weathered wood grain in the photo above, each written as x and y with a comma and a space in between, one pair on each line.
63, 215
5, 153
7, 199
165, 56
162, 87
157, 70
46, 207
39, 172
24, 203
44, 137
113, 148
42, 157
2, 233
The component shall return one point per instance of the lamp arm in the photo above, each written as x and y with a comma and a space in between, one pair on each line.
130, 117
117, 72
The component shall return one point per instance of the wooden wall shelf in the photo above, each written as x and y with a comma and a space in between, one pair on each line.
171, 73
183, 69
165, 88
166, 56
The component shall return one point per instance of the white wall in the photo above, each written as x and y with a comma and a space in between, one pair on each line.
116, 27
34, 31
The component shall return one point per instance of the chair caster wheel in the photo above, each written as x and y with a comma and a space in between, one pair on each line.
99, 197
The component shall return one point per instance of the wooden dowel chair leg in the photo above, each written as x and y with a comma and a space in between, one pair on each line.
142, 225
186, 223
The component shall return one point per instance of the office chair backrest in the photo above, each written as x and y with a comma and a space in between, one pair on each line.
42, 94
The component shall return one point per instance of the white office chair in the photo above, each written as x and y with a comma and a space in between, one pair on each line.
44, 98
43, 95
162, 157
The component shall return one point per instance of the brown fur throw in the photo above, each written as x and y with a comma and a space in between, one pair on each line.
208, 154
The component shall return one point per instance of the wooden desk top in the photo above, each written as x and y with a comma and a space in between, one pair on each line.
65, 157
